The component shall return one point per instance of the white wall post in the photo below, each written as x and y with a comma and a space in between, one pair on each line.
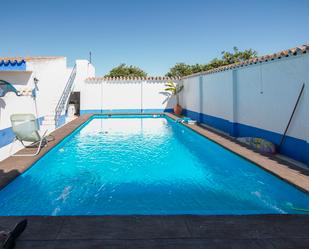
235, 103
201, 99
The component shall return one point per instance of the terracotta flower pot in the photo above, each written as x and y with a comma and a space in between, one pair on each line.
177, 109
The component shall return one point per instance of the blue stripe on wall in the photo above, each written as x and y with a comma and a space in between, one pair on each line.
12, 65
218, 123
61, 120
293, 147
40, 120
125, 110
307, 153
7, 135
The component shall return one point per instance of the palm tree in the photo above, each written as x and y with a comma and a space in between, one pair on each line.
174, 89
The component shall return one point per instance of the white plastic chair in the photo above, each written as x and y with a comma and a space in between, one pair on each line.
26, 129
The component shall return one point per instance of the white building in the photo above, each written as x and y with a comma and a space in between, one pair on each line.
45, 85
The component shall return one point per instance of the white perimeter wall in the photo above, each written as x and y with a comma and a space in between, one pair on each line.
266, 96
203, 93
260, 95
125, 95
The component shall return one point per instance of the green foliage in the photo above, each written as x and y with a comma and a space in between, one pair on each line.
173, 89
182, 69
126, 71
179, 70
238, 56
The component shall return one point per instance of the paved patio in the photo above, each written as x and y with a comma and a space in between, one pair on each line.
187, 232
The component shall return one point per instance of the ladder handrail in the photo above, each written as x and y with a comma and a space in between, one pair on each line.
65, 94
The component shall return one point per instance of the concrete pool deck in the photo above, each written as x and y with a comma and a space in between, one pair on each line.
250, 231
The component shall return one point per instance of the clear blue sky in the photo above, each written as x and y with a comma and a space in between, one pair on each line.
151, 34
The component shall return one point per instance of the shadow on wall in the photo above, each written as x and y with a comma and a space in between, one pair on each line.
169, 101
20, 78
2, 104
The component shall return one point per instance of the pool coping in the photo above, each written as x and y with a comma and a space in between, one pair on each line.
12, 167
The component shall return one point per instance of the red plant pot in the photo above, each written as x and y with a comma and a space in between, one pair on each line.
177, 109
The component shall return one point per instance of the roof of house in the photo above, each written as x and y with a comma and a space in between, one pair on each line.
154, 78
20, 59
265, 58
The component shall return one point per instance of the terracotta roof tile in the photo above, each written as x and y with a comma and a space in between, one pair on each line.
285, 53
28, 58
150, 78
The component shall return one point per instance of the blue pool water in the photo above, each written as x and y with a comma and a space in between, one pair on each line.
145, 165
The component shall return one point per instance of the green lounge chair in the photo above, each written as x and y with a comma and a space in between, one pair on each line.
26, 129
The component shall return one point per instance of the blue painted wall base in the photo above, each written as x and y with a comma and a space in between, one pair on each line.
293, 147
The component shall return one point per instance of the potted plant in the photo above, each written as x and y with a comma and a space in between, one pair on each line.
174, 89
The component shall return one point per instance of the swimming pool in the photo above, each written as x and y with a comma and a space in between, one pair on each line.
145, 165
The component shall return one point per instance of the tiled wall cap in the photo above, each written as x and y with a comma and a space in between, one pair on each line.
11, 62
150, 78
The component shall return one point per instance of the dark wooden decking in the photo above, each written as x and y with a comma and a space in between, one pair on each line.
164, 232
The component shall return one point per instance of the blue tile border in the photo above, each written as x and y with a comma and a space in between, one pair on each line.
125, 111
7, 135
295, 148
